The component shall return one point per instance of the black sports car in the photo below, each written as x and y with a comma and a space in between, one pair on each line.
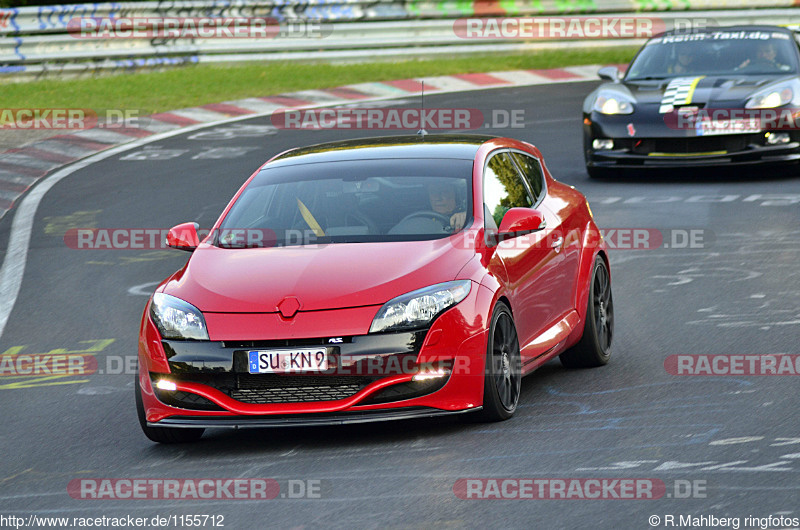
714, 97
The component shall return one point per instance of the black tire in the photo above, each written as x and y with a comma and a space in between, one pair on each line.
503, 374
163, 435
594, 348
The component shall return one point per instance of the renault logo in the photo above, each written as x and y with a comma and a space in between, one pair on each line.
289, 306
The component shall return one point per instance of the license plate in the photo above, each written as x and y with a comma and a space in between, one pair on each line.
716, 127
283, 361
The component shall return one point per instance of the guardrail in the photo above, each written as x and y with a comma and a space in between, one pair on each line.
38, 41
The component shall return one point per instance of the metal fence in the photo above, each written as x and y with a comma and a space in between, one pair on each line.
43, 40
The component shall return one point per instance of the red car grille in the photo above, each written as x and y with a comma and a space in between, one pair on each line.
295, 395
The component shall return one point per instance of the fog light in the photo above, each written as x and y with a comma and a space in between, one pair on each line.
430, 374
777, 138
164, 384
603, 143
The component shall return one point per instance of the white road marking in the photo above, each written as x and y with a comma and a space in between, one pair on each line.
143, 289
155, 154
218, 153
235, 131
785, 441
740, 440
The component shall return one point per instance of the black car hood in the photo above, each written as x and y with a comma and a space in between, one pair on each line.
655, 100
710, 91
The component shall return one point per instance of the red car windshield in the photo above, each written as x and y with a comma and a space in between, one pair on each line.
351, 202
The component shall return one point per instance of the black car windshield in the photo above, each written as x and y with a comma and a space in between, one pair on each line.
351, 202
715, 53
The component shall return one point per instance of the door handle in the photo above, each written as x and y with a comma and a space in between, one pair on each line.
557, 243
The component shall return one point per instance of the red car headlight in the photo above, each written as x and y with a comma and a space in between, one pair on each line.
419, 308
177, 319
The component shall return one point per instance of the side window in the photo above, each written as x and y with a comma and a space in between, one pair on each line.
503, 188
532, 172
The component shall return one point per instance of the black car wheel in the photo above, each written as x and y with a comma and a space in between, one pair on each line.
503, 377
594, 348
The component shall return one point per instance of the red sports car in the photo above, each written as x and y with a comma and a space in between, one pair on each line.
376, 279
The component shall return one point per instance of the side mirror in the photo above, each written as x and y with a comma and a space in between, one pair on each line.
519, 221
610, 73
183, 236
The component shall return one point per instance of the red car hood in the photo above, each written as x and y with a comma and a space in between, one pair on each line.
332, 276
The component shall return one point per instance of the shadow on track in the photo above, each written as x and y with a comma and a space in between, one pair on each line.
269, 441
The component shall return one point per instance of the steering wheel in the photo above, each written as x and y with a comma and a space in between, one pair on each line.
445, 219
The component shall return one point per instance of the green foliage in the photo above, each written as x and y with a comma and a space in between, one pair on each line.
199, 85
22, 3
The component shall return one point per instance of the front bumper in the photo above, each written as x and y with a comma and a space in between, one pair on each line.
372, 377
306, 420
654, 146
624, 159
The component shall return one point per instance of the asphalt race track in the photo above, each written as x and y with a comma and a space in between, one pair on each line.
722, 445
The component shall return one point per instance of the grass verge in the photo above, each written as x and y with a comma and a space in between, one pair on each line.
199, 85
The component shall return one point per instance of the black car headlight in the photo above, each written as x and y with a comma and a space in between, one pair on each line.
612, 103
177, 319
418, 308
775, 96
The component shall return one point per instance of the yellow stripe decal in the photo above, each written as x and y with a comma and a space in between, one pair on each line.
707, 153
309, 219
691, 90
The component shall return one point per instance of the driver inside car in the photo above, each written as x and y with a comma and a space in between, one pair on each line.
765, 58
683, 64
443, 201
